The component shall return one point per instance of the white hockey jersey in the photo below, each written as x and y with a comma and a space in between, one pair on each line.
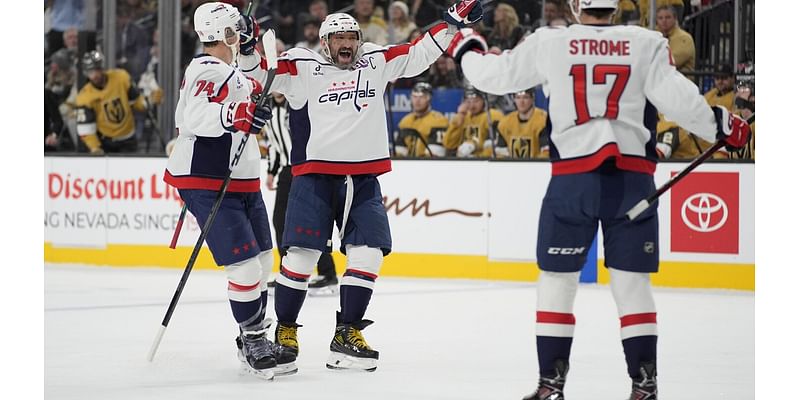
207, 141
337, 118
606, 84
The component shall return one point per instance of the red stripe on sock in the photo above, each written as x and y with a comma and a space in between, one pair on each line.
636, 319
292, 273
242, 288
360, 272
547, 317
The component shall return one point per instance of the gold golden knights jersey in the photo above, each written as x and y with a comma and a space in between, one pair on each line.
416, 132
474, 128
714, 98
676, 143
108, 111
523, 139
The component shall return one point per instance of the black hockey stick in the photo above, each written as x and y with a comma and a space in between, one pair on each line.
641, 206
272, 62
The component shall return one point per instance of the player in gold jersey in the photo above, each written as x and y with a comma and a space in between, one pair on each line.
522, 132
469, 129
105, 107
421, 132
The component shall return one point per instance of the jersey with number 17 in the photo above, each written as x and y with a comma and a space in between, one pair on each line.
606, 85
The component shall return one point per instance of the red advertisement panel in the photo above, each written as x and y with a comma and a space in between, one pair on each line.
705, 213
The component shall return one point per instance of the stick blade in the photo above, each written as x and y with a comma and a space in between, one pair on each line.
152, 353
270, 52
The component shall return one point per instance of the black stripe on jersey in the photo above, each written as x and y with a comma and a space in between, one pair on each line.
375, 51
650, 120
300, 131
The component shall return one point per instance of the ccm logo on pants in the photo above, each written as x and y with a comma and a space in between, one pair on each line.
566, 251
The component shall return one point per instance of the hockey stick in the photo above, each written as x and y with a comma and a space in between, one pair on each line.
272, 58
641, 206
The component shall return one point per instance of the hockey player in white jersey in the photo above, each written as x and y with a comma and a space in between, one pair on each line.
339, 147
214, 112
606, 84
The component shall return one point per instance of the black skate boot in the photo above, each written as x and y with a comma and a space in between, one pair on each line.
256, 354
284, 357
349, 349
286, 336
645, 387
323, 286
552, 387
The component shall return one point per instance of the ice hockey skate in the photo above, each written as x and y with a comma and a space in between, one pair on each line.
552, 388
645, 387
286, 337
349, 349
284, 358
322, 286
255, 354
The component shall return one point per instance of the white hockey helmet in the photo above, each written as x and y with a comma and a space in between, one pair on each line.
334, 23
217, 21
577, 5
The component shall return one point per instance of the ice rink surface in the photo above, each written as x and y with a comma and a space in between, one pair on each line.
438, 339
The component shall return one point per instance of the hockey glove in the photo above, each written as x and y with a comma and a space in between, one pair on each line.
731, 128
463, 13
465, 149
245, 116
465, 40
257, 87
248, 38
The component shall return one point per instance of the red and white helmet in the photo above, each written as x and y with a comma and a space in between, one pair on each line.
334, 23
577, 5
214, 21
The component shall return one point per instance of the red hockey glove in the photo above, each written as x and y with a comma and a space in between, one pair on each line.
731, 128
463, 13
257, 87
465, 40
245, 116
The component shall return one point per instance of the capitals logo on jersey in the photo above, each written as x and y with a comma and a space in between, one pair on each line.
339, 92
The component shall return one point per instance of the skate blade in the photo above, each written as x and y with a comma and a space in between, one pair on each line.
265, 374
324, 292
285, 369
339, 361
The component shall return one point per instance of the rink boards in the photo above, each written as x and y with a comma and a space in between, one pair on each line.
449, 219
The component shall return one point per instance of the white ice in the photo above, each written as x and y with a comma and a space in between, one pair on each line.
438, 339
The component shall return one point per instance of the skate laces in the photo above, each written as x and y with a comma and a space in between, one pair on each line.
256, 344
355, 338
287, 335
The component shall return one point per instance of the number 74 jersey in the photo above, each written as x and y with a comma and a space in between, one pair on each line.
606, 86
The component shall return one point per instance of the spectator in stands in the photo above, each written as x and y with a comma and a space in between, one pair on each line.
62, 74
443, 73
681, 43
722, 93
64, 15
522, 132
400, 26
311, 37
421, 132
675, 143
105, 107
553, 9
283, 18
317, 11
468, 133
506, 32
372, 27
644, 10
133, 43
53, 123
745, 105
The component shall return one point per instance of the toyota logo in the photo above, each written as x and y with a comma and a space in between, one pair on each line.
704, 207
